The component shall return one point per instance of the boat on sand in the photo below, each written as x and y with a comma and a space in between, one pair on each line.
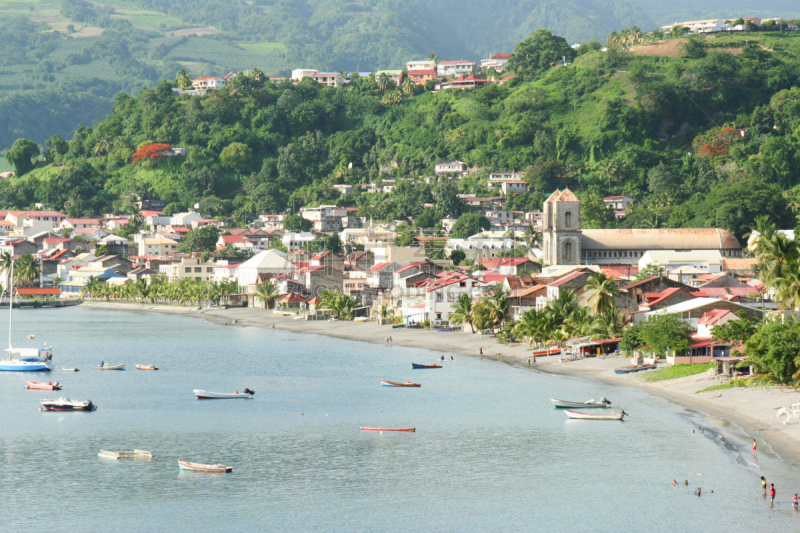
208, 395
593, 416
398, 384
591, 403
634, 368
39, 385
198, 467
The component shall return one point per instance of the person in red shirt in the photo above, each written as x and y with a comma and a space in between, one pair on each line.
794, 500
771, 493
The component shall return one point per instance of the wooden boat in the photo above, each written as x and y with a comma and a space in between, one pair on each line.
409, 430
125, 454
111, 367
39, 385
207, 395
434, 365
65, 404
546, 352
198, 467
146, 367
444, 330
592, 416
634, 368
591, 403
398, 384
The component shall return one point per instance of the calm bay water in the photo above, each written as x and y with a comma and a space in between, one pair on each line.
490, 453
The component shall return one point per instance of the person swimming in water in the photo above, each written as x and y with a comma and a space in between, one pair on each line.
686, 482
674, 481
698, 491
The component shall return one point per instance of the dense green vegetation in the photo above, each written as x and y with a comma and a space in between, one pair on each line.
664, 131
63, 61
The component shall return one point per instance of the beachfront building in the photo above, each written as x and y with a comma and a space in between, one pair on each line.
438, 296
268, 263
566, 243
188, 268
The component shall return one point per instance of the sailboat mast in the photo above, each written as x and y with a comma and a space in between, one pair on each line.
10, 304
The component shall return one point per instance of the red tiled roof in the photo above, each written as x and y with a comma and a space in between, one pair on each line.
83, 221
713, 316
422, 73
232, 239
640, 282
501, 56
613, 198
379, 266
291, 297
457, 62
56, 240
728, 292
412, 265
659, 297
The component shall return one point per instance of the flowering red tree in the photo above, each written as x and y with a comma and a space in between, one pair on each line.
715, 142
150, 152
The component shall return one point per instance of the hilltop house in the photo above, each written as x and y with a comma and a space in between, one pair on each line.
329, 79
395, 75
455, 68
450, 167
213, 82
495, 61
422, 76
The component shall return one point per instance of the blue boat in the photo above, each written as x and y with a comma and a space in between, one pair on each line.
634, 368
415, 365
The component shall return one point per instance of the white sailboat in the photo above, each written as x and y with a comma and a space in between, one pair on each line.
23, 359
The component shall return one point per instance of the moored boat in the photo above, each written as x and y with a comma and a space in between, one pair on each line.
39, 385
398, 384
111, 367
634, 368
125, 454
591, 403
71, 369
199, 467
592, 416
65, 404
208, 395
445, 330
146, 367
434, 365
408, 430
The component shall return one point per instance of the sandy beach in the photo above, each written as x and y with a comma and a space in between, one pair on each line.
753, 409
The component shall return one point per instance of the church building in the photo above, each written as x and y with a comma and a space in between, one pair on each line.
565, 243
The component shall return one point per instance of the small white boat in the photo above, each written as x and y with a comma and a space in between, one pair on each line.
207, 395
198, 467
65, 404
591, 416
125, 454
111, 367
591, 403
70, 369
146, 367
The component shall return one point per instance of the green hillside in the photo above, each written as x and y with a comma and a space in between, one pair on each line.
709, 141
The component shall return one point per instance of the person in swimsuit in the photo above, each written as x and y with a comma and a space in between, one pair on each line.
764, 485
754, 445
771, 493
674, 481
794, 500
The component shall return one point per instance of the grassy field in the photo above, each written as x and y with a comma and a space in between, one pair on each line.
676, 371
264, 47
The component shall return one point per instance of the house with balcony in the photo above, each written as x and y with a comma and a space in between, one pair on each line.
450, 167
509, 188
421, 77
496, 62
438, 297
300, 73
460, 67
329, 79
395, 75
188, 268
212, 82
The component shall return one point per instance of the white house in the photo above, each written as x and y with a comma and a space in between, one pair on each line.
184, 219
513, 187
421, 64
448, 167
266, 262
498, 178
437, 302
325, 217
701, 26
329, 79
618, 203
159, 246
300, 73
79, 223
294, 240
213, 82
495, 61
455, 68
709, 261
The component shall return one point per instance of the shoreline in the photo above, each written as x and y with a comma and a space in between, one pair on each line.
752, 409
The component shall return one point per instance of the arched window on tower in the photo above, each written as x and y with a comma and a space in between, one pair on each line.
567, 251
568, 219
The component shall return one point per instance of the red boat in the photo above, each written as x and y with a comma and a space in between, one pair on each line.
410, 430
415, 365
38, 385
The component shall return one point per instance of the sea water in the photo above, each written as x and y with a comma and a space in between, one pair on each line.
490, 453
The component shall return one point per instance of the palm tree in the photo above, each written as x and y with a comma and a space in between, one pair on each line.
183, 80
257, 75
27, 270
433, 57
532, 237
462, 313
493, 307
608, 325
408, 86
384, 81
602, 290
267, 293
529, 325
5, 266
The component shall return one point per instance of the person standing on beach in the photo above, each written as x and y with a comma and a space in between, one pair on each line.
480, 350
771, 493
754, 446
764, 485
